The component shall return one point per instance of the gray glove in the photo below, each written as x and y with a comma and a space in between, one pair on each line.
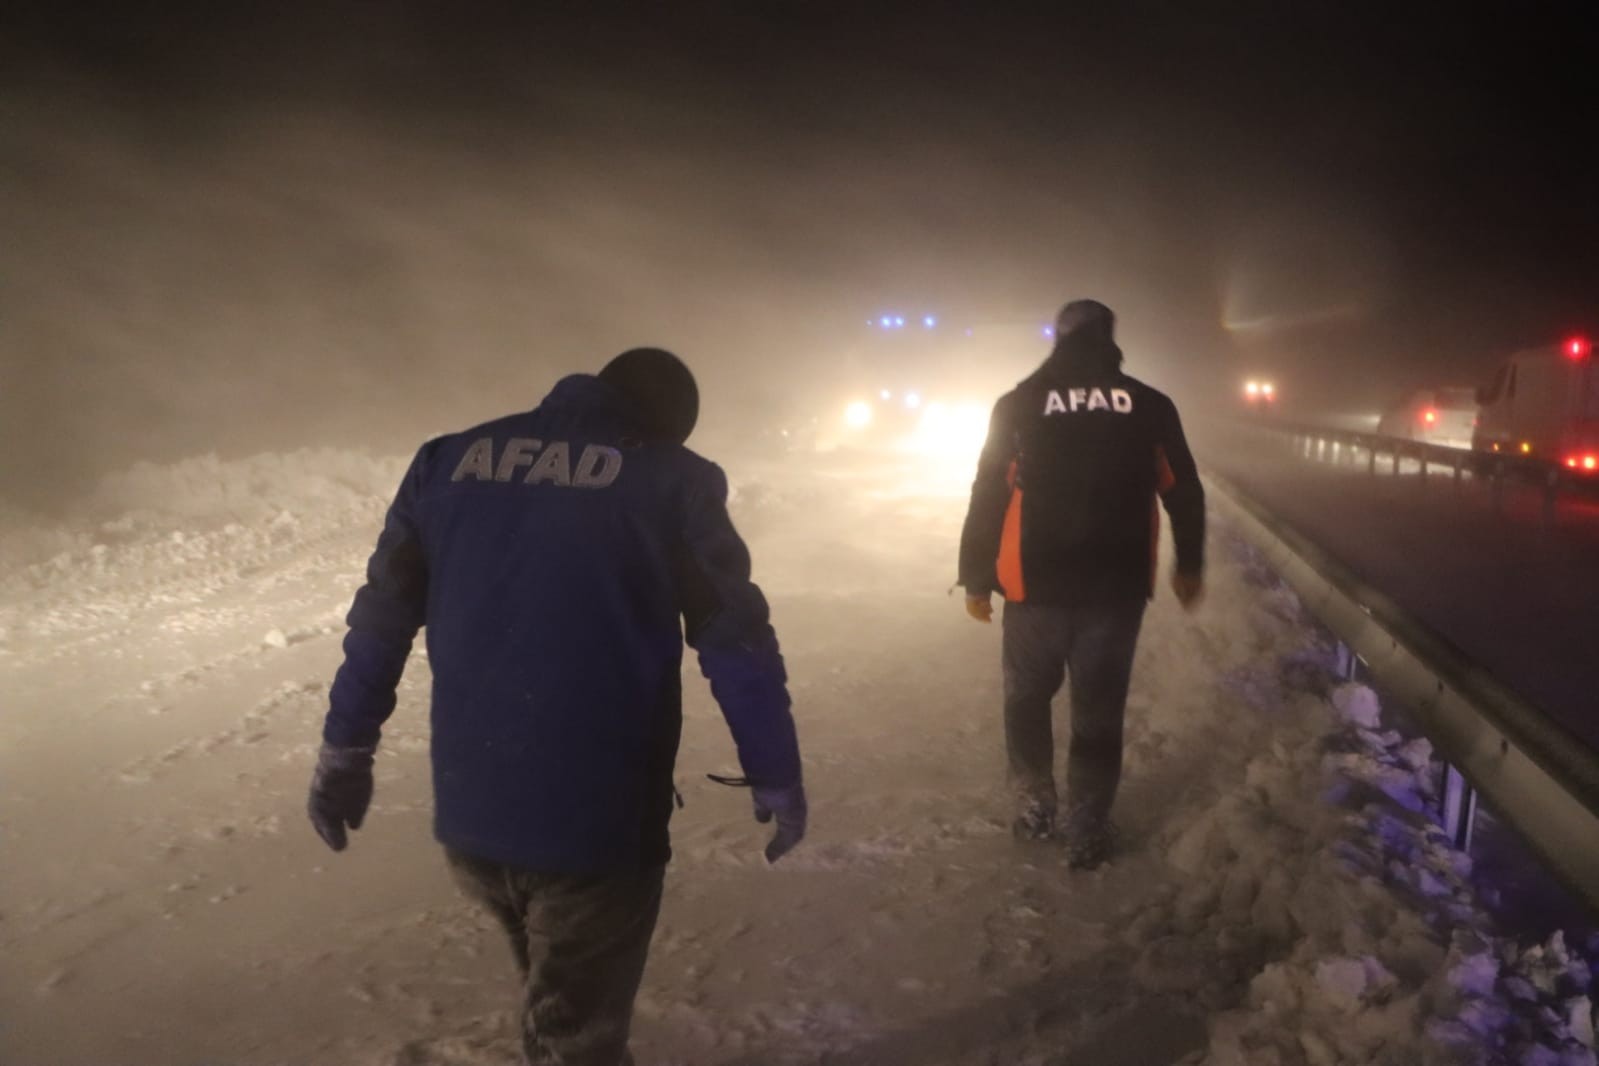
787, 805
341, 789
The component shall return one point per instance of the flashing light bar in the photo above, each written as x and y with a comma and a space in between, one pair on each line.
898, 322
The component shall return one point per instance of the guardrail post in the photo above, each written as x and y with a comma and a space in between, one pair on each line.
1460, 807
1371, 459
1348, 663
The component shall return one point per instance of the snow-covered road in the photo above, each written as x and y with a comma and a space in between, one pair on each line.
164, 663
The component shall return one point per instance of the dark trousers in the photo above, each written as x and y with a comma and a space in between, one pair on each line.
580, 942
1094, 646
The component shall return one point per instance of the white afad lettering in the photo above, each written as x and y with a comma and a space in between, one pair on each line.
478, 462
1118, 400
519, 452
597, 467
555, 465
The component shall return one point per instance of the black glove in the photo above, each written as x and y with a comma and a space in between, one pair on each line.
788, 805
341, 788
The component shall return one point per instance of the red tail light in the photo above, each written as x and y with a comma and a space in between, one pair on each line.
1578, 347
1586, 463
1429, 417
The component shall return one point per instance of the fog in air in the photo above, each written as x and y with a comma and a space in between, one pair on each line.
245, 234
251, 262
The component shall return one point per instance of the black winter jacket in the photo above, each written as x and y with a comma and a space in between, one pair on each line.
1063, 507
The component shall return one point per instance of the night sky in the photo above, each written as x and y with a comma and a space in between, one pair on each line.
364, 224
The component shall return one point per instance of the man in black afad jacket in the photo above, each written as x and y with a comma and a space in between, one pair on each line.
558, 558
1063, 522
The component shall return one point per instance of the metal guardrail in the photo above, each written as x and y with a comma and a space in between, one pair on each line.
1499, 469
1539, 777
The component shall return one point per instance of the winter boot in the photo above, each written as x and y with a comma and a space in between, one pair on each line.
1089, 847
1035, 822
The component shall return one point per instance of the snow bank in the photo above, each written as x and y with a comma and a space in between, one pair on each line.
1370, 943
202, 493
160, 534
207, 490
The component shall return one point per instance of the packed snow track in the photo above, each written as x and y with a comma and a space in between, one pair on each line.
1280, 899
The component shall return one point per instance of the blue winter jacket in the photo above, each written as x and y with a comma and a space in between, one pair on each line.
557, 561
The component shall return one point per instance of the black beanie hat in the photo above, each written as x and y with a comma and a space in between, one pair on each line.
1089, 317
662, 398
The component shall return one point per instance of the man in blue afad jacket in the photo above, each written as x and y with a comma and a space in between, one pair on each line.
558, 558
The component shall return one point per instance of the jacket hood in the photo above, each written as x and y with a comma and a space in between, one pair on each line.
1082, 353
1085, 341
586, 393
583, 399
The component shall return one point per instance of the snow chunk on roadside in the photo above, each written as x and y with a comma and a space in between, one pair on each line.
1385, 956
1349, 983
1359, 704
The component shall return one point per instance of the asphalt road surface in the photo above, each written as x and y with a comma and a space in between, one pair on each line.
1520, 598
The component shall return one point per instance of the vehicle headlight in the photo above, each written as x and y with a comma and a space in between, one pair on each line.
858, 415
951, 430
